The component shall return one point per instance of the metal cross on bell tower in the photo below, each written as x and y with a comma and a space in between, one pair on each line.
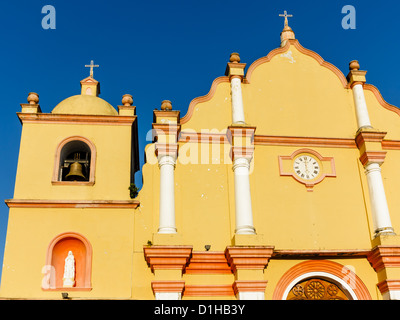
286, 17
92, 65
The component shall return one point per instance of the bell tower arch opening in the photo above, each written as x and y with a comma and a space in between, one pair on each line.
74, 161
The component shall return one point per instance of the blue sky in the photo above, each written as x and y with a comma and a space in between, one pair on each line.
157, 50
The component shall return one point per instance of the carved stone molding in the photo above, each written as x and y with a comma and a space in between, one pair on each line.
256, 257
167, 257
384, 257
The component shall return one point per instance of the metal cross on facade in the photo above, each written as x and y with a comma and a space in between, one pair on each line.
91, 66
286, 16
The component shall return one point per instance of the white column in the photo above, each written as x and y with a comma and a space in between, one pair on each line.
243, 209
379, 207
167, 194
391, 295
237, 100
251, 295
361, 106
168, 296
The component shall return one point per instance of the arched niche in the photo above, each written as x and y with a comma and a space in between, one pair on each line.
57, 252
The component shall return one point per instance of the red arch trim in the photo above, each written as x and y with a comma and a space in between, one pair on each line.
336, 269
88, 257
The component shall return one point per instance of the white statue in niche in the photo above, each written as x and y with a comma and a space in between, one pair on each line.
69, 271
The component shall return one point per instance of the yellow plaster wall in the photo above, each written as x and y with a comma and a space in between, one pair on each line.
293, 95
37, 158
382, 118
391, 179
331, 216
30, 232
217, 110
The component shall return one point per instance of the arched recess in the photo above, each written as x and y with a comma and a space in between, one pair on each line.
57, 252
70, 145
334, 272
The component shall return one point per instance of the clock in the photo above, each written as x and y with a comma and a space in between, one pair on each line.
306, 167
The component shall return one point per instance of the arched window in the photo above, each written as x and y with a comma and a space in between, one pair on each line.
320, 280
75, 162
57, 252
318, 288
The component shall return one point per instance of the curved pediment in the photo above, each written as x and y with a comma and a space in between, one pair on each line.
292, 91
300, 48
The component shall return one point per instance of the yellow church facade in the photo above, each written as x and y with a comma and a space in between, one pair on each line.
278, 184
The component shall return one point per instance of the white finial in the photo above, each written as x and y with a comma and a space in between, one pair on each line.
286, 16
91, 66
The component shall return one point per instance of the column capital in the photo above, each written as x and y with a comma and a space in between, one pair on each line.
167, 257
240, 286
165, 137
163, 149
168, 286
369, 135
241, 160
168, 289
390, 289
241, 138
369, 142
384, 257
163, 130
250, 258
369, 157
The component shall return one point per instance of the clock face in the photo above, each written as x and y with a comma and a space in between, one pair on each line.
306, 167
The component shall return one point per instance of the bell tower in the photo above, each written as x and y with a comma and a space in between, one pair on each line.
71, 198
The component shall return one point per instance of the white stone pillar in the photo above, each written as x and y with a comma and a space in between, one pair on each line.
356, 79
391, 295
168, 296
363, 120
235, 72
237, 100
379, 207
372, 156
250, 295
243, 209
167, 194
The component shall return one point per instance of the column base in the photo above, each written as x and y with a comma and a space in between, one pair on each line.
386, 240
172, 239
245, 230
388, 231
248, 240
167, 230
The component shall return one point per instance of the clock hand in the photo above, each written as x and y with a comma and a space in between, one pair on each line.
306, 166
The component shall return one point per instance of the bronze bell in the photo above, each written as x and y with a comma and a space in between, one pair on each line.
75, 172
